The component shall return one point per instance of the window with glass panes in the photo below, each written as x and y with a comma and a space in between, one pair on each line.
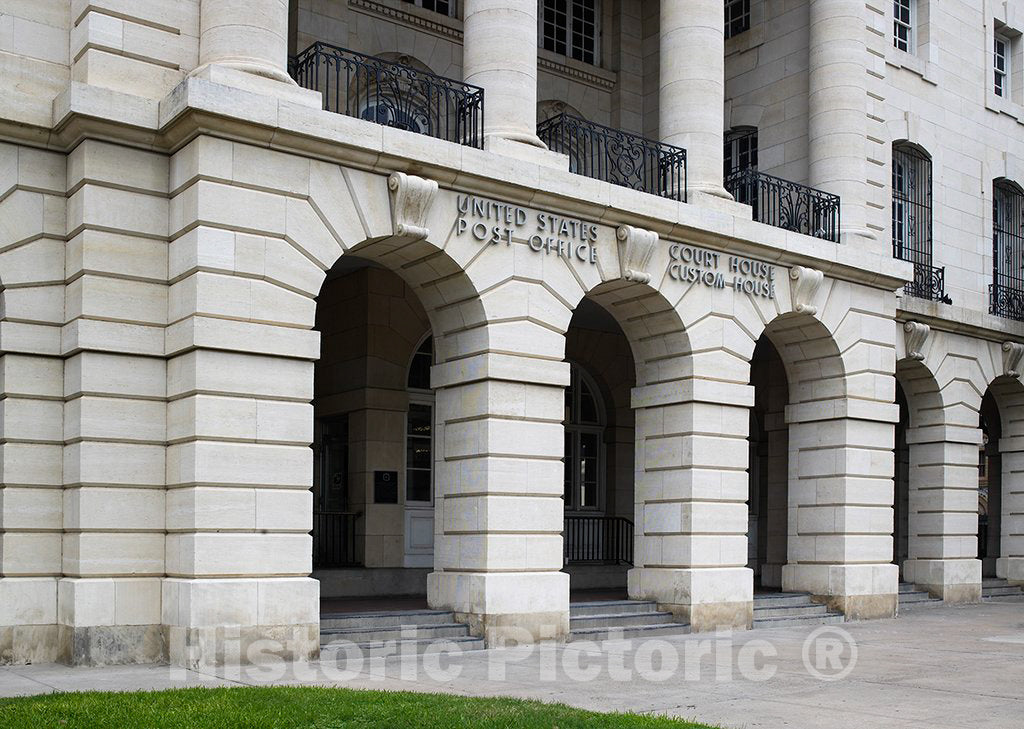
903, 25
419, 439
1001, 65
570, 28
584, 436
1007, 250
445, 7
737, 17
740, 149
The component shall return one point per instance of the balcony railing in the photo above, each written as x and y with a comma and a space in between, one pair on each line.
334, 539
604, 539
786, 204
1006, 301
392, 94
616, 156
929, 283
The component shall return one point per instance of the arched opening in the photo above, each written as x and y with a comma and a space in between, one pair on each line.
1000, 496
769, 467
373, 530
901, 480
599, 444
990, 477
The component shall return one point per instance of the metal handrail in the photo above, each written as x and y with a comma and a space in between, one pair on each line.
929, 283
615, 156
604, 539
392, 94
334, 539
785, 204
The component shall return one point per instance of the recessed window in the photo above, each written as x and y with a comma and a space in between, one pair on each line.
445, 7
737, 17
903, 25
570, 28
584, 436
740, 150
1001, 65
1007, 290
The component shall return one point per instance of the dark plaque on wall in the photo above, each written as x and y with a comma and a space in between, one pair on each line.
385, 487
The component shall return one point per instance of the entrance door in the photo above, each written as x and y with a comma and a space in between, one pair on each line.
419, 461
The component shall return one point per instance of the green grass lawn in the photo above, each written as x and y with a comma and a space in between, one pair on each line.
285, 707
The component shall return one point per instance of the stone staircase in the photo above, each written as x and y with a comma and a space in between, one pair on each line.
911, 597
786, 609
998, 589
398, 632
626, 619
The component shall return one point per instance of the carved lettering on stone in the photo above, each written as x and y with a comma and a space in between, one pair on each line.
636, 246
916, 334
1012, 353
805, 284
411, 198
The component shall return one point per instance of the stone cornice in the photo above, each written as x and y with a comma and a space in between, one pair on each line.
958, 320
198, 106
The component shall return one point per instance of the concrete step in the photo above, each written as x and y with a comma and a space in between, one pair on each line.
628, 632
994, 582
1008, 590
1019, 597
909, 598
782, 599
619, 620
789, 611
785, 621
611, 607
403, 647
396, 632
908, 587
385, 619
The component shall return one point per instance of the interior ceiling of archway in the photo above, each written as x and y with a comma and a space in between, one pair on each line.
445, 291
809, 354
650, 323
921, 390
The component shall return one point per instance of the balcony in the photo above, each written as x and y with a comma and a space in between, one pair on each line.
618, 157
786, 204
929, 283
1007, 301
392, 94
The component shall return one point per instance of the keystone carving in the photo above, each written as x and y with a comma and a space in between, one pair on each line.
411, 198
916, 334
1012, 352
805, 284
636, 246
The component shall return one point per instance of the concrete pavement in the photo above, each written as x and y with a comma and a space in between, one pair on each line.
934, 667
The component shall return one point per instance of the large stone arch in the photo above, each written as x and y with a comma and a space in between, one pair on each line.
1008, 393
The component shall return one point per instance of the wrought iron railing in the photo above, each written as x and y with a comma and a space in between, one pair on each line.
616, 156
605, 539
393, 94
786, 204
334, 539
929, 283
1006, 301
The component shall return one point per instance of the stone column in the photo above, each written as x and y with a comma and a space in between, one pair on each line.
499, 486
32, 240
500, 55
1010, 564
943, 512
240, 354
244, 43
837, 99
841, 506
691, 492
691, 89
114, 412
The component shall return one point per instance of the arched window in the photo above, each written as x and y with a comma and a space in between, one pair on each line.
419, 437
584, 440
912, 220
1007, 290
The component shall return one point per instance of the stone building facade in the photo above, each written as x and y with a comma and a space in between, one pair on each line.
206, 269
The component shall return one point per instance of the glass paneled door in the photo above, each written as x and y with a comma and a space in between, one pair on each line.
419, 461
